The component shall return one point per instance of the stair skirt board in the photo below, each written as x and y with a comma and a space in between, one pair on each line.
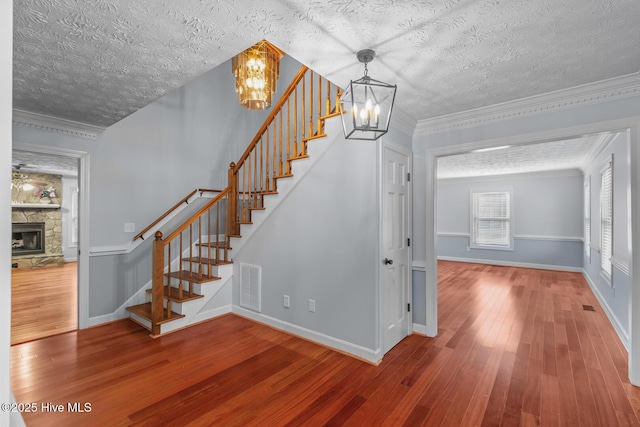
365, 354
299, 168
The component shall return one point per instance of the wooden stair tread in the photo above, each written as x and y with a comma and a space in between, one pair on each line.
173, 294
144, 311
305, 156
204, 260
330, 115
189, 276
286, 175
312, 137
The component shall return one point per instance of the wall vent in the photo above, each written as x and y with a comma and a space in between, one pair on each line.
250, 286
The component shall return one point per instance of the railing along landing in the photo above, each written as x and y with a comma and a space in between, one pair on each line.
297, 118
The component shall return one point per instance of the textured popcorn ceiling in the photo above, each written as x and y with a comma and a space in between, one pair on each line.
97, 61
548, 156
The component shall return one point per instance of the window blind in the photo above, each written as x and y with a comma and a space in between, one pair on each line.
606, 219
491, 219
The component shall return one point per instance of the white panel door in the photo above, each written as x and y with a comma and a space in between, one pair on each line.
395, 247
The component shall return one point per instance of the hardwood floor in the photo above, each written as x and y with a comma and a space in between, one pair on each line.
44, 302
515, 347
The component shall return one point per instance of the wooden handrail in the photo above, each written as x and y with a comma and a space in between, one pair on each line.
196, 215
173, 208
202, 242
275, 110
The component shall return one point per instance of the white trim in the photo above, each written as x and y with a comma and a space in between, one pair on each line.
551, 238
419, 329
211, 314
554, 173
84, 219
512, 264
604, 125
588, 94
604, 139
55, 124
624, 338
517, 237
453, 234
418, 265
406, 153
373, 356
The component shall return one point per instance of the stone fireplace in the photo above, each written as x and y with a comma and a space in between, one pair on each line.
36, 238
27, 238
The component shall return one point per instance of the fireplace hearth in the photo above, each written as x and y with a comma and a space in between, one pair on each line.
27, 238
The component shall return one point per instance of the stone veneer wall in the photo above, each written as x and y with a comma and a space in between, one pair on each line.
52, 218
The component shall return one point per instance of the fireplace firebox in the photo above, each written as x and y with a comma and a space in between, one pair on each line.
27, 238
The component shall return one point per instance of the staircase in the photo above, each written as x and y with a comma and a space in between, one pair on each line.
192, 263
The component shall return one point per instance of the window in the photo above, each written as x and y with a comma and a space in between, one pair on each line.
587, 218
606, 219
491, 220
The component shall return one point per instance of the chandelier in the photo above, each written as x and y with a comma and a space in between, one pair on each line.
256, 71
367, 104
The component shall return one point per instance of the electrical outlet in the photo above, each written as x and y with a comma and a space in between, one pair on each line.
129, 227
312, 305
285, 301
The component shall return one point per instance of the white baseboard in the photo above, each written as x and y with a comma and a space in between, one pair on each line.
210, 314
419, 329
608, 312
373, 356
513, 264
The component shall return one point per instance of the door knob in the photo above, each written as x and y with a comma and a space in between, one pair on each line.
388, 261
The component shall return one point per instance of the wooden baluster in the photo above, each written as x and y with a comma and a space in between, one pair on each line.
276, 166
268, 160
282, 167
295, 122
180, 270
288, 136
303, 125
319, 127
157, 288
255, 176
261, 168
217, 235
327, 108
232, 200
310, 134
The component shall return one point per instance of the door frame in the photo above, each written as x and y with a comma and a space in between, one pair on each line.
383, 144
83, 220
630, 123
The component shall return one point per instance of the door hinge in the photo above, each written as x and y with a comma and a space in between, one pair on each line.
409, 307
408, 241
408, 176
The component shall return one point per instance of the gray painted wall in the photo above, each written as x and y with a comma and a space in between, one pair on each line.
616, 294
546, 219
569, 121
144, 164
321, 243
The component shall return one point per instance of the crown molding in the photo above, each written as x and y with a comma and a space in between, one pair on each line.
588, 94
55, 124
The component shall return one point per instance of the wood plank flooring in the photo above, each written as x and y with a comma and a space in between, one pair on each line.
515, 347
44, 302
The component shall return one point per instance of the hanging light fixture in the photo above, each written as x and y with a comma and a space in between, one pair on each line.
367, 104
257, 70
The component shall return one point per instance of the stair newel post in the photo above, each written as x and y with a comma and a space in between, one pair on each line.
157, 290
232, 201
